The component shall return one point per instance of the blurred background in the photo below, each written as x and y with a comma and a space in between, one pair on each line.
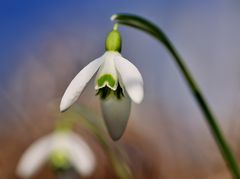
44, 44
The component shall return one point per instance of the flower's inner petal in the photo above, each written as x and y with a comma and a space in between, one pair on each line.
106, 80
107, 73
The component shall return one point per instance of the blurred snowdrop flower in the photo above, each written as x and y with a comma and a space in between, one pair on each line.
117, 82
63, 150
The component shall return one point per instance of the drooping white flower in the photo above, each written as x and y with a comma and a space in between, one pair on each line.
62, 150
117, 82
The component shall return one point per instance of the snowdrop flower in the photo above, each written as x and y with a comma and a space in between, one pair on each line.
118, 82
62, 149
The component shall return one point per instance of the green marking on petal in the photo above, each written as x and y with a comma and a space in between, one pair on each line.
106, 79
59, 160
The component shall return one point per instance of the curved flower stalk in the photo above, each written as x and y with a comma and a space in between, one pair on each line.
151, 29
63, 150
118, 82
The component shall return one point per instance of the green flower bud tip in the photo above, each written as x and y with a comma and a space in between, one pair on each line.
113, 40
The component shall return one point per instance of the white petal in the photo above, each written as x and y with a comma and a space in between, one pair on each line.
34, 157
77, 85
131, 78
81, 156
60, 140
108, 68
116, 113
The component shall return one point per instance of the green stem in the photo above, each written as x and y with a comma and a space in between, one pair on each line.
148, 27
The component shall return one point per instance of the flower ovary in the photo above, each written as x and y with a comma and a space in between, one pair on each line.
113, 41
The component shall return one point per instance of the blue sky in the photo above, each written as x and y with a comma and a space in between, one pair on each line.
23, 22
